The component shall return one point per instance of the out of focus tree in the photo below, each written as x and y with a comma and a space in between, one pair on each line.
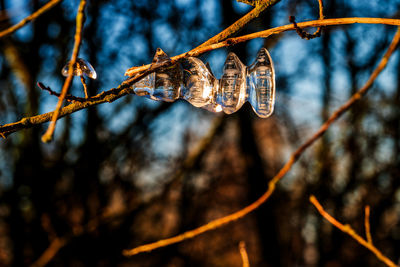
134, 171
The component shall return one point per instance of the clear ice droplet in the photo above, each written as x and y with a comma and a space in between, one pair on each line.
232, 88
164, 84
81, 67
199, 84
261, 84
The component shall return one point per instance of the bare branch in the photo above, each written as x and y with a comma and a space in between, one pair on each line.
348, 230
304, 34
80, 18
367, 225
29, 18
125, 87
243, 254
50, 252
260, 6
272, 184
69, 98
264, 34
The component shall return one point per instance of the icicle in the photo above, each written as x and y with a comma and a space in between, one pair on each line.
232, 88
261, 84
164, 84
199, 84
194, 81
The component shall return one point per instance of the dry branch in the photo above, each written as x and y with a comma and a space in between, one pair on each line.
264, 34
348, 230
367, 225
260, 6
80, 19
125, 87
243, 254
272, 184
29, 18
304, 34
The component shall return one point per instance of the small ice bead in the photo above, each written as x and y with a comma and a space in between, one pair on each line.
232, 89
145, 86
261, 83
167, 83
167, 80
198, 82
80, 67
164, 84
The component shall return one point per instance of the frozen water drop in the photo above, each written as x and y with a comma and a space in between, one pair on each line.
164, 84
261, 83
232, 89
81, 67
199, 84
145, 87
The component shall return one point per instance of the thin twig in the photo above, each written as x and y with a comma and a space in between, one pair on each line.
84, 86
80, 18
229, 31
50, 252
266, 33
243, 254
29, 18
272, 184
239, 24
367, 225
124, 88
304, 34
348, 230
69, 98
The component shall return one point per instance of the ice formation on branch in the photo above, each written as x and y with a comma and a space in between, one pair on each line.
80, 68
194, 81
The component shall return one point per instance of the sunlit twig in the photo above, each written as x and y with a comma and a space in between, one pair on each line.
125, 87
50, 252
29, 18
80, 18
243, 254
238, 25
304, 34
367, 225
272, 184
70, 98
348, 230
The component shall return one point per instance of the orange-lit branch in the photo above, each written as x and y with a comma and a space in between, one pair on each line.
272, 184
264, 34
29, 18
243, 254
50, 252
239, 24
125, 87
304, 34
367, 225
80, 18
348, 230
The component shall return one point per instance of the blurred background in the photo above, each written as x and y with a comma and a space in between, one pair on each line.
122, 174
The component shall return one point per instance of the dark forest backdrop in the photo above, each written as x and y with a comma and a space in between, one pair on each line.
122, 174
